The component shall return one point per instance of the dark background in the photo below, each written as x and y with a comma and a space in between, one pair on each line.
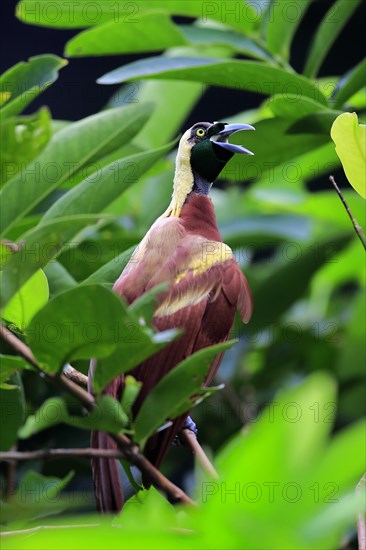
76, 94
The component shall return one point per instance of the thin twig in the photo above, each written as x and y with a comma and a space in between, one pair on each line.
40, 454
361, 520
189, 439
131, 452
356, 225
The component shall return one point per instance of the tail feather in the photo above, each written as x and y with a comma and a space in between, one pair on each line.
107, 485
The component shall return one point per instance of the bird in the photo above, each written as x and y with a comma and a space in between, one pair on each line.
205, 286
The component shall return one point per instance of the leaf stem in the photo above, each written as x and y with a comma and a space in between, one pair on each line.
356, 225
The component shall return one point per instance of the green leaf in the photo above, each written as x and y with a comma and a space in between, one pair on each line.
83, 322
350, 141
316, 123
94, 194
294, 107
155, 31
59, 14
131, 390
59, 279
37, 496
135, 344
285, 17
92, 321
70, 150
143, 307
174, 394
21, 140
327, 32
8, 365
12, 411
108, 416
245, 75
347, 86
40, 246
205, 37
299, 269
293, 431
173, 102
110, 272
304, 439
26, 80
272, 228
31, 297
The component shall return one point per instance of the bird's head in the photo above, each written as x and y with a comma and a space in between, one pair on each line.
203, 152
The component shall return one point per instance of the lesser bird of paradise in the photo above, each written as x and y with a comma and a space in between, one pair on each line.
205, 287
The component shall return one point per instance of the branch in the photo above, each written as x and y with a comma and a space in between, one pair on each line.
9, 456
75, 375
356, 225
130, 451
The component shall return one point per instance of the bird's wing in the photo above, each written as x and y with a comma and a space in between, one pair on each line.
205, 288
202, 299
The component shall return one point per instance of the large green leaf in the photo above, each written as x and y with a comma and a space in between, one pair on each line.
327, 32
37, 496
91, 321
293, 107
298, 265
204, 37
271, 228
40, 246
135, 344
315, 123
108, 416
27, 301
173, 103
174, 394
110, 272
246, 75
80, 323
285, 17
241, 16
26, 80
155, 31
71, 149
350, 140
59, 279
94, 194
297, 503
21, 140
347, 86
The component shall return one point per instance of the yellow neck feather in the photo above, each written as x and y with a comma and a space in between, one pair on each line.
183, 178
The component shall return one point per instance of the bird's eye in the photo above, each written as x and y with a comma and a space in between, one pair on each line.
200, 132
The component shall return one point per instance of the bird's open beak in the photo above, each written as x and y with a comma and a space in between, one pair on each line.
221, 138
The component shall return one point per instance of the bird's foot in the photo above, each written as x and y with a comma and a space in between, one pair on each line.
188, 425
